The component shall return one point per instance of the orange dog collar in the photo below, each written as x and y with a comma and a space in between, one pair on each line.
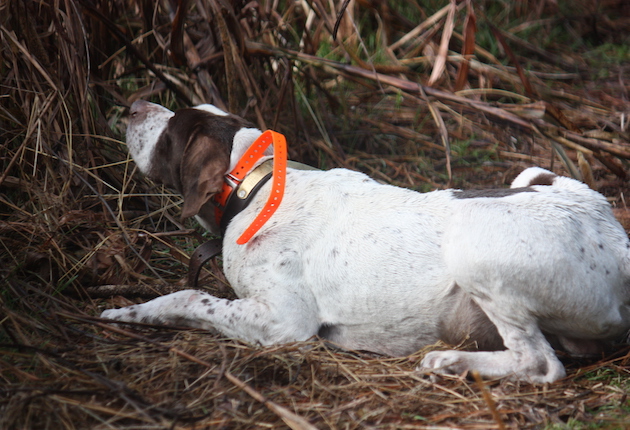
233, 179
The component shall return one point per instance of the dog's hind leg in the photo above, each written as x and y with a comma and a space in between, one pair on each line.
528, 356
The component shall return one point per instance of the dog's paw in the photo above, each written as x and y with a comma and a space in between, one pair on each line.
444, 362
108, 314
123, 315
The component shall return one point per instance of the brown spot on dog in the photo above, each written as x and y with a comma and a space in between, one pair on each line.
492, 193
543, 179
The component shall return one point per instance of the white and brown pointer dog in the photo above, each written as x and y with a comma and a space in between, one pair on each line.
384, 269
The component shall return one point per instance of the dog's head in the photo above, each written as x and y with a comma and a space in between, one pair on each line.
189, 150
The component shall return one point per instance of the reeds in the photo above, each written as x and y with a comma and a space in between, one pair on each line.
422, 96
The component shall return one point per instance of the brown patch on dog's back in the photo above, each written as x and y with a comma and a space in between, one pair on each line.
491, 193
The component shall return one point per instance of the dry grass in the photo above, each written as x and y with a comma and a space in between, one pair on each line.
541, 86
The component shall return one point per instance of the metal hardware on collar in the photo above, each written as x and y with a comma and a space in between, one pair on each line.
231, 180
252, 179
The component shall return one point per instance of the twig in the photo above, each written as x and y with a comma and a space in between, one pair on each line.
443, 132
488, 399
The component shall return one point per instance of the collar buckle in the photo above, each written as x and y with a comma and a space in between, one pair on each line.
232, 181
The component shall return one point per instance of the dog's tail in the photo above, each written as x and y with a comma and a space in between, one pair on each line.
539, 176
534, 176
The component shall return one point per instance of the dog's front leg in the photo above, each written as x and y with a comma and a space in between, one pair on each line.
250, 319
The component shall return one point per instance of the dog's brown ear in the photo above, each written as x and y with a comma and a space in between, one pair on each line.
203, 166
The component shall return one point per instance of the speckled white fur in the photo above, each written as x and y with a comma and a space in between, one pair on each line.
141, 141
380, 268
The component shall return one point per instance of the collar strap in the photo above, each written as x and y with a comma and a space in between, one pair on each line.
244, 193
233, 179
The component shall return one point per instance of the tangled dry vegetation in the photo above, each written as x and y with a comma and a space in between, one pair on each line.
423, 96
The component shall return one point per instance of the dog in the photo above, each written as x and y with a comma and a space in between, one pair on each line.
389, 270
